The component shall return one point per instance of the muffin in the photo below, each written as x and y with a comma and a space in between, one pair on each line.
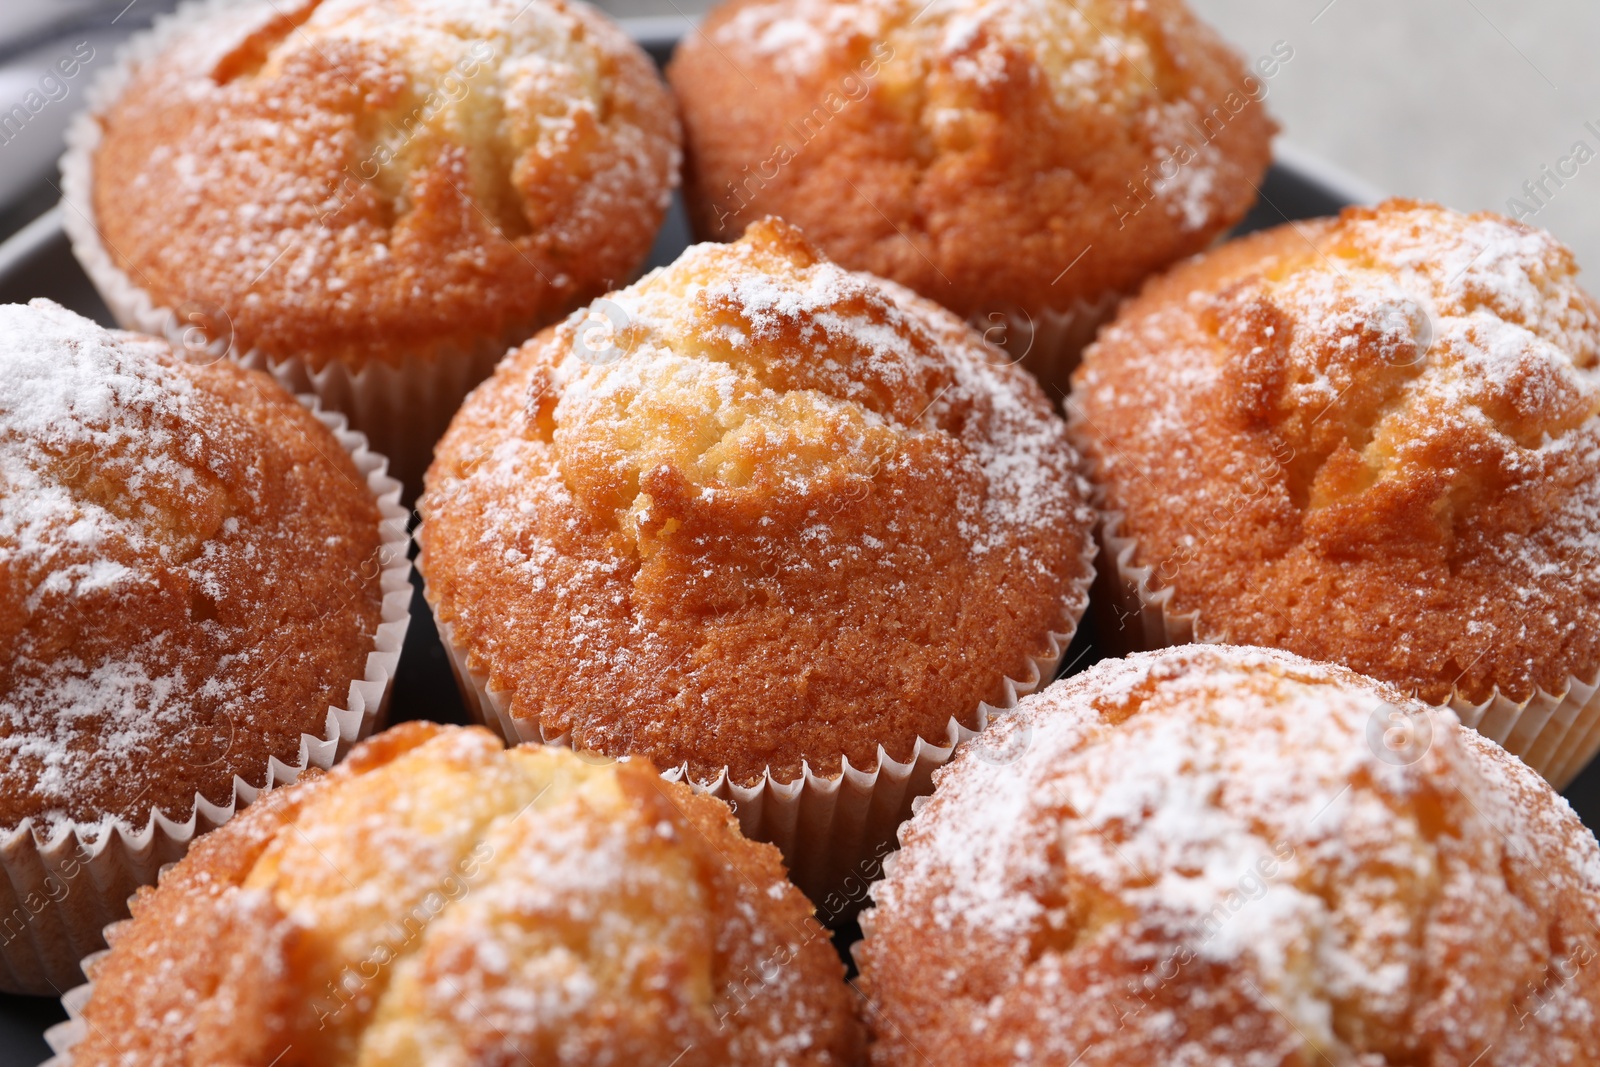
779, 527
371, 198
437, 899
1215, 855
1370, 440
1022, 162
202, 592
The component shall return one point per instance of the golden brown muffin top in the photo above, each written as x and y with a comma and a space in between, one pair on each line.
189, 575
1230, 855
343, 178
974, 150
1371, 440
439, 900
782, 513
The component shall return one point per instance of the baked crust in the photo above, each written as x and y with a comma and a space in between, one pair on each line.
1370, 440
347, 180
790, 514
974, 150
1218, 855
189, 575
437, 899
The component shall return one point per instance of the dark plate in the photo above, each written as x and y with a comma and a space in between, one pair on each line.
38, 262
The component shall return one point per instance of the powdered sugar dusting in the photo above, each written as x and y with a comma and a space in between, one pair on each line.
320, 146
1244, 830
134, 565
795, 38
863, 337
954, 56
1089, 61
471, 904
745, 455
74, 397
1403, 382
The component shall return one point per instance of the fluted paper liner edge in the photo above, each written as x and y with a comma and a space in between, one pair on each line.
1556, 734
69, 887
830, 829
1054, 339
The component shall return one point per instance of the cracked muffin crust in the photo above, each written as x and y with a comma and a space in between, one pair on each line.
756, 511
353, 179
439, 900
189, 575
974, 149
1373, 440
1214, 855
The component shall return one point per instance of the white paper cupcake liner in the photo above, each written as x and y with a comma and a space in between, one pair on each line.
404, 409
830, 829
58, 894
1556, 734
1048, 343
403, 405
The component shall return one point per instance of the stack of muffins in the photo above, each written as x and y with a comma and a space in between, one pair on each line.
761, 566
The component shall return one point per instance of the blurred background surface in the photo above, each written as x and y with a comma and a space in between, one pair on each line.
1461, 101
